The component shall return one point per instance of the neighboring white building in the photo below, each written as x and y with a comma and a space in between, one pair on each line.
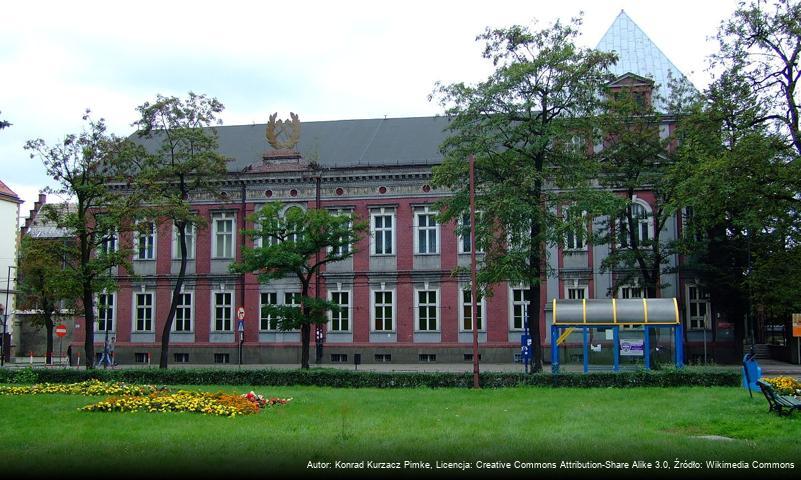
9, 243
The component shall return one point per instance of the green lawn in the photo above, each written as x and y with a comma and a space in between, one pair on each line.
47, 433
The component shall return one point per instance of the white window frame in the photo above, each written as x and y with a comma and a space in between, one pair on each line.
191, 308
482, 306
136, 308
191, 236
382, 212
268, 318
112, 311
344, 248
620, 295
223, 216
110, 238
465, 219
347, 310
579, 289
523, 304
575, 247
153, 238
428, 230
434, 305
393, 306
646, 223
215, 305
694, 320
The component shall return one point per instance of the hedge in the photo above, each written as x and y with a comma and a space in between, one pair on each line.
357, 379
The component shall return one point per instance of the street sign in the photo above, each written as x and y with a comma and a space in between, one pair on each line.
525, 346
61, 330
240, 325
797, 324
240, 313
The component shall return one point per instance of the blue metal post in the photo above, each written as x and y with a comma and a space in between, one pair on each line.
616, 347
554, 350
679, 333
647, 346
586, 350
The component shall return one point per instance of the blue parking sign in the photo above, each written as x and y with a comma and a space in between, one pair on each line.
525, 346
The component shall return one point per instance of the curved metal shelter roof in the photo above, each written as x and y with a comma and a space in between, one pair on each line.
611, 312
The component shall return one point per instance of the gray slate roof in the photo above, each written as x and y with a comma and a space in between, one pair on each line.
637, 53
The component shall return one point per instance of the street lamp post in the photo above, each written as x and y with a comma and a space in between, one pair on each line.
5, 317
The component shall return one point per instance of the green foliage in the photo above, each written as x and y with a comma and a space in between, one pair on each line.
529, 125
92, 169
184, 163
295, 242
25, 376
362, 379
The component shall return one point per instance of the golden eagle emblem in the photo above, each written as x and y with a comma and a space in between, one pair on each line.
283, 134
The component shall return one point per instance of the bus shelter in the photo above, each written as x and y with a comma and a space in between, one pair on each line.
586, 314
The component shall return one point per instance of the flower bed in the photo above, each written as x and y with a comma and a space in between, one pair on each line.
88, 387
148, 398
785, 385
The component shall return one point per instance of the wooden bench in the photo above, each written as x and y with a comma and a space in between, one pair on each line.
776, 402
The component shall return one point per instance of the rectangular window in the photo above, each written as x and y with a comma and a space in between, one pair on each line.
383, 358
427, 231
468, 357
698, 305
189, 234
383, 232
141, 357
222, 358
339, 358
630, 291
223, 311
520, 301
183, 313
105, 312
223, 226
181, 357
426, 357
144, 312
576, 236
345, 248
383, 310
268, 322
576, 292
427, 311
108, 243
146, 242
464, 236
467, 311
642, 229
340, 321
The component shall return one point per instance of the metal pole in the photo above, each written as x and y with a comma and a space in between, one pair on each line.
473, 280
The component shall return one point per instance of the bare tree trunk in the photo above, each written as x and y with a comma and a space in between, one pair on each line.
305, 338
89, 316
176, 293
49, 331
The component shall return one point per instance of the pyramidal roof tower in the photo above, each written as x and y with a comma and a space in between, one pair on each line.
637, 53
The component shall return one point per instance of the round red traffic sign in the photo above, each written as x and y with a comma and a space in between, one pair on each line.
240, 313
61, 330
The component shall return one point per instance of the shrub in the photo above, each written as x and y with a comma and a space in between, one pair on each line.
353, 379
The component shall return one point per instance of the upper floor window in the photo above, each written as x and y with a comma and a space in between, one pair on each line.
576, 234
344, 249
223, 227
576, 292
425, 223
641, 229
382, 221
189, 234
108, 242
146, 241
464, 236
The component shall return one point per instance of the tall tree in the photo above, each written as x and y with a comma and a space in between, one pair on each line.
88, 168
42, 284
287, 244
184, 163
530, 126
636, 159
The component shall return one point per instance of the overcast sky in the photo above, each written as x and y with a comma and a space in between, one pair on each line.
321, 59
